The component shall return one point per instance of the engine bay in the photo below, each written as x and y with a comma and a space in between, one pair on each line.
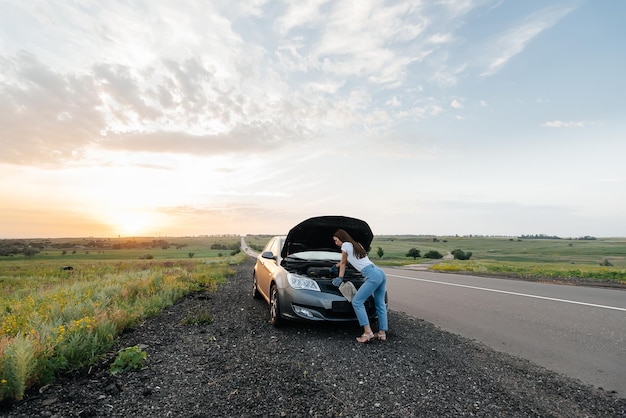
318, 269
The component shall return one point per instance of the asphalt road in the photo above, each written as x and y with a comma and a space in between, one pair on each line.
577, 331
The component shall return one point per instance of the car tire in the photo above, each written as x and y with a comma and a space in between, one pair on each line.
255, 289
275, 318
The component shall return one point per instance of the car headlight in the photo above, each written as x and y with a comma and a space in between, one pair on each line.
301, 282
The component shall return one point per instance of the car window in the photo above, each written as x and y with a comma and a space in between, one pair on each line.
268, 246
274, 245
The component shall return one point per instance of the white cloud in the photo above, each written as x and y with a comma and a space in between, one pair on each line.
394, 102
448, 77
301, 14
515, 40
456, 104
441, 38
560, 124
458, 7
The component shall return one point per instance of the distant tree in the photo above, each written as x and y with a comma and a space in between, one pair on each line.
232, 246
413, 252
461, 255
191, 255
380, 252
587, 238
433, 254
606, 263
540, 236
30, 252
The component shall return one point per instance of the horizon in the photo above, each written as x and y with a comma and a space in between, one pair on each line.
158, 118
522, 236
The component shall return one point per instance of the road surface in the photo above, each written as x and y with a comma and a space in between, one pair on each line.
574, 330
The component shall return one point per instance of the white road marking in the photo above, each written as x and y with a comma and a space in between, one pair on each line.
511, 293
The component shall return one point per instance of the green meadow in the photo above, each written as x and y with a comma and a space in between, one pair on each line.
574, 251
55, 319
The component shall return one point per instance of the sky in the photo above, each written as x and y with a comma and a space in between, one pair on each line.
185, 118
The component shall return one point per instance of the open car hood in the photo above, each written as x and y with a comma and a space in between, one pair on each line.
316, 234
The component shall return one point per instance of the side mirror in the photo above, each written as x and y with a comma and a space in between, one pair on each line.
269, 255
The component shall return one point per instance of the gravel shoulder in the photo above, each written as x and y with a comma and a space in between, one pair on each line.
240, 366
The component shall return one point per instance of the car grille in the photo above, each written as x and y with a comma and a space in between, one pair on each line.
342, 307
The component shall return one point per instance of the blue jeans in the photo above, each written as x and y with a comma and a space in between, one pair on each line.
375, 284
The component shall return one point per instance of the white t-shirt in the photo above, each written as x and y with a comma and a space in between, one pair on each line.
357, 263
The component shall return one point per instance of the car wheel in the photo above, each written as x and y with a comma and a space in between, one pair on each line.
275, 318
255, 288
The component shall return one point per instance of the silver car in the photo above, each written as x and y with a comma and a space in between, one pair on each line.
293, 273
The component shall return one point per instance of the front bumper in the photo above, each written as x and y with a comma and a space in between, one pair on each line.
310, 305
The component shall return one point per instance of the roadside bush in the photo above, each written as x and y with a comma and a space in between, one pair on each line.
434, 255
130, 358
461, 255
413, 252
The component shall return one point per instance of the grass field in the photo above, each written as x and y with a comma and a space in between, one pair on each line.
591, 252
53, 319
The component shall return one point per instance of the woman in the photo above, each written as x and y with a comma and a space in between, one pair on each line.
375, 283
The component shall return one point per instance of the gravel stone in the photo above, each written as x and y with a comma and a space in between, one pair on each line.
240, 366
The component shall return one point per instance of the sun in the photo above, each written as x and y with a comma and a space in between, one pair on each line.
132, 223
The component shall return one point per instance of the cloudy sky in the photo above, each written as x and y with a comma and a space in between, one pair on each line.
185, 117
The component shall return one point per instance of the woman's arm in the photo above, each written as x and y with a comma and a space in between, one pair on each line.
342, 264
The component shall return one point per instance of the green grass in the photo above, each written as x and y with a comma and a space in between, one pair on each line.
553, 259
509, 249
52, 320
101, 249
129, 254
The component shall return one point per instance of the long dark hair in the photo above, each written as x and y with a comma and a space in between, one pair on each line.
359, 251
